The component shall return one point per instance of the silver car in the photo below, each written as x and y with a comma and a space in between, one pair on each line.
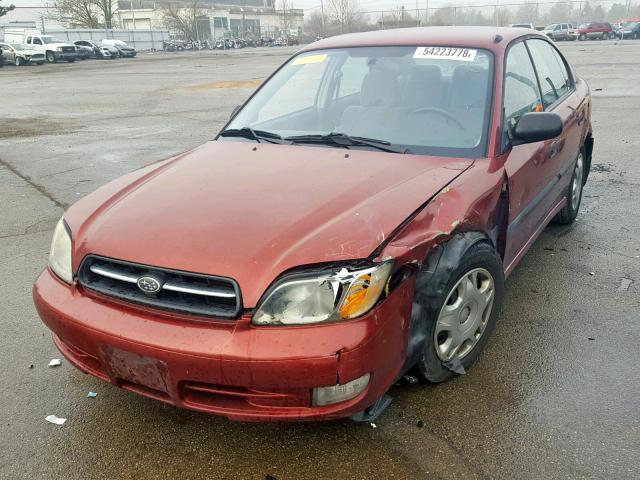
19, 54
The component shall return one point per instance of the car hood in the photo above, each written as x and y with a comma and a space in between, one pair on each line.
252, 211
29, 52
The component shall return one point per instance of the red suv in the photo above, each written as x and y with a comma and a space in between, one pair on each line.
355, 220
600, 31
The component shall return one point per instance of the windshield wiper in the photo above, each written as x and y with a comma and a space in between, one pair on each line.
257, 135
346, 141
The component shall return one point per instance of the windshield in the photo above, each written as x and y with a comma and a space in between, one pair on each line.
428, 100
631, 25
50, 40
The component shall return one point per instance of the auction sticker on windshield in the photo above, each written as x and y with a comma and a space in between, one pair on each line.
446, 53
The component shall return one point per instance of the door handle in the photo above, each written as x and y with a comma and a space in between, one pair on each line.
555, 147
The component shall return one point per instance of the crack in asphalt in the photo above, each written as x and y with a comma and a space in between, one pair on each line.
40, 188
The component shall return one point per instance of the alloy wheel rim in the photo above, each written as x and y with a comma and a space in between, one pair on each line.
576, 185
464, 317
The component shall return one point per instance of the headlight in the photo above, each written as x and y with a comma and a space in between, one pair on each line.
60, 254
301, 300
59, 49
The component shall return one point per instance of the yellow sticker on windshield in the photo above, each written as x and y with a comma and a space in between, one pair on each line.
310, 59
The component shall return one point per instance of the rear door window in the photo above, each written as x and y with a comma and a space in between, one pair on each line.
552, 73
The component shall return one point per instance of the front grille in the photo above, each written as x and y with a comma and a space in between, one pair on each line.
162, 288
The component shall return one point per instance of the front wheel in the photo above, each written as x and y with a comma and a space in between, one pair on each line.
19, 62
573, 194
582, 37
462, 310
51, 58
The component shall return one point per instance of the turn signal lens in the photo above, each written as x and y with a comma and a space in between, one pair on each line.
364, 292
340, 393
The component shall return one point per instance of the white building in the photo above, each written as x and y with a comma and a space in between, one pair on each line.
235, 18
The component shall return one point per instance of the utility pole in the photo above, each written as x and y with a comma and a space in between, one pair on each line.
322, 15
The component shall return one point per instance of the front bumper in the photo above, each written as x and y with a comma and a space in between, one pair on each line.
230, 368
65, 55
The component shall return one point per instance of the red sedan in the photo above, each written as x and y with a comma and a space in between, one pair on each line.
354, 221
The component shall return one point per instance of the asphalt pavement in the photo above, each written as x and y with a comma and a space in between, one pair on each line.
556, 395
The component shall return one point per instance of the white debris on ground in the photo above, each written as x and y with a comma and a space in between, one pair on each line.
55, 362
55, 420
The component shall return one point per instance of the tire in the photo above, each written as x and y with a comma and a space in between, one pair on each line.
573, 195
51, 58
435, 299
19, 62
582, 37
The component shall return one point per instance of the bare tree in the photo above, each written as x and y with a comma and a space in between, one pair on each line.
5, 10
79, 13
108, 9
183, 18
283, 7
313, 23
346, 14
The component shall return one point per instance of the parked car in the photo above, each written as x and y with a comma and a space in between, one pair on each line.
376, 232
124, 50
522, 25
21, 55
560, 31
84, 52
113, 51
631, 30
52, 48
99, 51
595, 30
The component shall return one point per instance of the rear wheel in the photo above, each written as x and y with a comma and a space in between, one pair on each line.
461, 315
582, 37
573, 195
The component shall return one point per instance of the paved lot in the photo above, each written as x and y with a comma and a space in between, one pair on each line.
555, 396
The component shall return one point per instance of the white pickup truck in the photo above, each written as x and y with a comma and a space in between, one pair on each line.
52, 48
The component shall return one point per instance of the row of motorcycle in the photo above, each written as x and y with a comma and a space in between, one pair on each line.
221, 44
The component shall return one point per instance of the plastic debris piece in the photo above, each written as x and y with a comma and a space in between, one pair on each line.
373, 425
55, 420
455, 366
92, 394
625, 283
55, 362
592, 273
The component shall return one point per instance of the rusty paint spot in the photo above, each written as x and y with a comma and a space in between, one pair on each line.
227, 84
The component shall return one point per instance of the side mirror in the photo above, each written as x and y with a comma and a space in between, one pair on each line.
235, 110
536, 127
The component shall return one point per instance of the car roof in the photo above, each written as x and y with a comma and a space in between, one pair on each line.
492, 38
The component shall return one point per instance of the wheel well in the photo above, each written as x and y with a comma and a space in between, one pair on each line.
440, 262
588, 151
